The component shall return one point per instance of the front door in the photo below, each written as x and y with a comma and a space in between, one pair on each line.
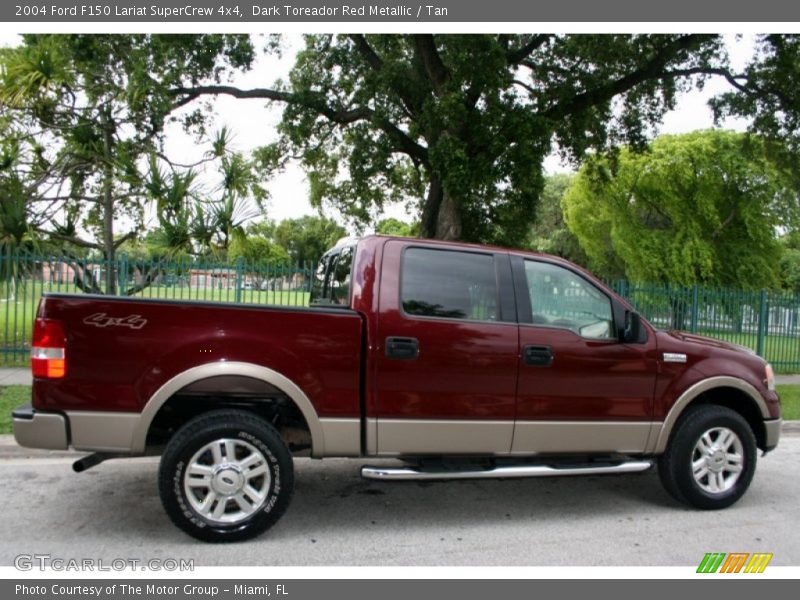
580, 389
448, 354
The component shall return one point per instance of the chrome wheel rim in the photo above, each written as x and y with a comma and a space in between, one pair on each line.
717, 460
227, 480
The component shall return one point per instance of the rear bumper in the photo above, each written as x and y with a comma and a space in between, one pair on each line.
86, 431
772, 430
37, 429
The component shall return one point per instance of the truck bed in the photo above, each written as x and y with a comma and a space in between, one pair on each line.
122, 350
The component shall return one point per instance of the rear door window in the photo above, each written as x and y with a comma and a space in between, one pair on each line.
449, 284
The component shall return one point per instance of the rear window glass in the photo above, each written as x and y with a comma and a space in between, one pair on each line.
449, 284
331, 285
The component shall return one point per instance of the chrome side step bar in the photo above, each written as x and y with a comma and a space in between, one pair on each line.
500, 472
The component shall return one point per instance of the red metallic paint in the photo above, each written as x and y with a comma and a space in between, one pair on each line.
465, 370
587, 380
119, 368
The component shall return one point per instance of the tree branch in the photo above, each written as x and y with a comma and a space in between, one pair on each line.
128, 236
740, 82
72, 239
425, 46
363, 47
312, 101
514, 57
147, 280
730, 77
341, 117
410, 104
652, 69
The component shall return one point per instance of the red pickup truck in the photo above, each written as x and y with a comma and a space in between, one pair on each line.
462, 361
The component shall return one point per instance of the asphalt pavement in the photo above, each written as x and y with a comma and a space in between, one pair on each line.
336, 518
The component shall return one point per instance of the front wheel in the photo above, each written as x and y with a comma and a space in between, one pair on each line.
711, 458
226, 476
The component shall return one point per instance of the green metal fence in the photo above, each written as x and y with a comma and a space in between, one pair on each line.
24, 277
766, 321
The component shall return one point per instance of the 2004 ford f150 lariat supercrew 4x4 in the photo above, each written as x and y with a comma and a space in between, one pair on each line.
462, 361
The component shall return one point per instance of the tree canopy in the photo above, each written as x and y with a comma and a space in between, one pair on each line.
81, 116
307, 238
461, 124
704, 207
392, 226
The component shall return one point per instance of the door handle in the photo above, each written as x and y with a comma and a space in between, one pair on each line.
402, 348
539, 356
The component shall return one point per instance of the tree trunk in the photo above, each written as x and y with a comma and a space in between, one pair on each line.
108, 205
430, 209
448, 222
441, 214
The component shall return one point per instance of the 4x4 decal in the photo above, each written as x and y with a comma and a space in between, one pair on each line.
103, 320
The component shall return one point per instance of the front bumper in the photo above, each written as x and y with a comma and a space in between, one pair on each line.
772, 430
36, 429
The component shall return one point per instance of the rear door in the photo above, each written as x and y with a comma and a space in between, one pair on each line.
447, 356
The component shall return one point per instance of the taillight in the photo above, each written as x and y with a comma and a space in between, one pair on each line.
49, 349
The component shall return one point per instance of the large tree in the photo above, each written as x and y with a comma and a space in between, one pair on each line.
93, 108
704, 207
462, 123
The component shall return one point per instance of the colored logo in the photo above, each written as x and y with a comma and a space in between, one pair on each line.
735, 562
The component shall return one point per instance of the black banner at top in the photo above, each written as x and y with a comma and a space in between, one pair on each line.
388, 11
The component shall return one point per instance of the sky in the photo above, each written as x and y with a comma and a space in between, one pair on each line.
253, 124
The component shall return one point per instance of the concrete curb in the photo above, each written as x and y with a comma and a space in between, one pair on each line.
9, 449
790, 428
17, 376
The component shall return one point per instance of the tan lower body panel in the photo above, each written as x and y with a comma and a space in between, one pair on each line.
44, 430
342, 437
372, 436
538, 437
773, 432
102, 431
418, 436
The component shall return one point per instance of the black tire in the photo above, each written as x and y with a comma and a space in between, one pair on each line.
675, 465
247, 431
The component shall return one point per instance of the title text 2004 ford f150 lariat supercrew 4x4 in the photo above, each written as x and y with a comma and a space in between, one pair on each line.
463, 361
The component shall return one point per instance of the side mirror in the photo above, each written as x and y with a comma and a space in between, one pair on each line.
632, 331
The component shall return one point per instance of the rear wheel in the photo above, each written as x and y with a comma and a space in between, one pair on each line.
711, 457
226, 476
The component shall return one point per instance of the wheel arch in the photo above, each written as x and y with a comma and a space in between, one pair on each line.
197, 374
732, 392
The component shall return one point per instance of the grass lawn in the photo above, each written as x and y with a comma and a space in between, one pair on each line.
790, 400
10, 398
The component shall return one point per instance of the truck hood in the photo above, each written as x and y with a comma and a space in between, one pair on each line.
707, 342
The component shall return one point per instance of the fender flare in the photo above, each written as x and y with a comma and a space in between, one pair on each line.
181, 380
697, 389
